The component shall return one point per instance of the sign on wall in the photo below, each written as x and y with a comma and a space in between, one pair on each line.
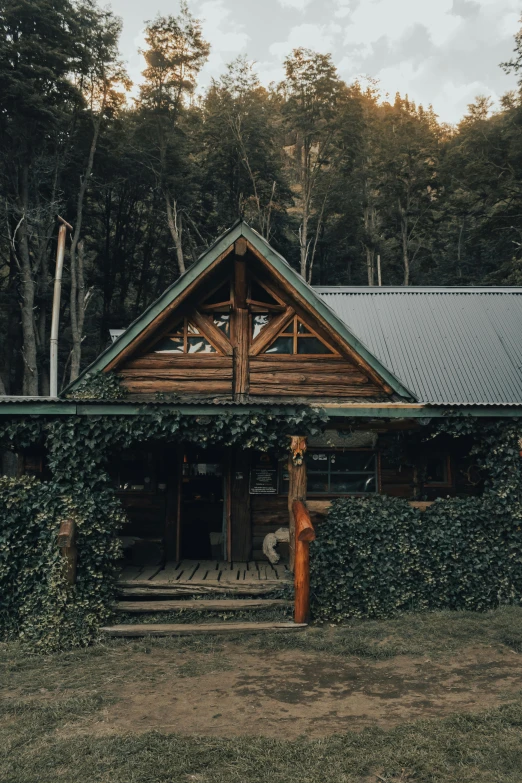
263, 475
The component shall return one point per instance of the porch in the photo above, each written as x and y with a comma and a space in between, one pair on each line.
192, 577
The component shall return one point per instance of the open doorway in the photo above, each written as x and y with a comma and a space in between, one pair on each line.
203, 504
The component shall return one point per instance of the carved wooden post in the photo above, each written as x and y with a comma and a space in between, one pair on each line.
296, 485
304, 533
67, 543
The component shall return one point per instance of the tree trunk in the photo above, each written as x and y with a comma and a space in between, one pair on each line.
176, 230
28, 290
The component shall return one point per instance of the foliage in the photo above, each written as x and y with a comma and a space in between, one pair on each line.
376, 556
38, 605
100, 386
41, 608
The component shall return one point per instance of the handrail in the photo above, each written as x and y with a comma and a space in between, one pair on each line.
304, 533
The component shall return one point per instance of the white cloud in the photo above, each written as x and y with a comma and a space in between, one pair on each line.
375, 19
318, 37
227, 38
299, 5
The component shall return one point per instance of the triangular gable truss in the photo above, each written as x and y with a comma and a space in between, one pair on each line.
158, 315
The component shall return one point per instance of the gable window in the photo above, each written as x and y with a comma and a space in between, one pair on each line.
340, 473
298, 338
186, 338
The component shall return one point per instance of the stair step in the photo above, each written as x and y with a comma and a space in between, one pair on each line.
173, 590
205, 604
180, 629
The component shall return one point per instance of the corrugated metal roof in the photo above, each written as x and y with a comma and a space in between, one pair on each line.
452, 346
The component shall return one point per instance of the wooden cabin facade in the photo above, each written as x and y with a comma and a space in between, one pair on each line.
241, 331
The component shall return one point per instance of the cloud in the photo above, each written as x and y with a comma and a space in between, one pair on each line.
320, 38
298, 5
227, 38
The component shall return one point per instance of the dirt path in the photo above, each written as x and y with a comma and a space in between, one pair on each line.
287, 694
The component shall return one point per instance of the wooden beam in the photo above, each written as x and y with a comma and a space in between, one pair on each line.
265, 337
241, 368
296, 485
66, 541
212, 333
164, 315
240, 283
343, 346
240, 247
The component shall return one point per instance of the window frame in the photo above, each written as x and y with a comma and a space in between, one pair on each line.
329, 493
448, 483
296, 336
183, 332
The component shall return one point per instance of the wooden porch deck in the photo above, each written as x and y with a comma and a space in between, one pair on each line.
188, 576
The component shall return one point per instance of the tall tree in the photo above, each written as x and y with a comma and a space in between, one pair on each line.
311, 89
176, 51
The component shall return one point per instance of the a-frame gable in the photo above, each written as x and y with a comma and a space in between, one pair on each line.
273, 325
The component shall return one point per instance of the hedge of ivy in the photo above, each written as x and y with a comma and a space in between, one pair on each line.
40, 607
376, 556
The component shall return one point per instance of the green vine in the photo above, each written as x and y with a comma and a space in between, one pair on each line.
376, 556
42, 609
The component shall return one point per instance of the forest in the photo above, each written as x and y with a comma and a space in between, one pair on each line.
351, 187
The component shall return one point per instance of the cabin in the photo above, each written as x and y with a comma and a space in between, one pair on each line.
240, 332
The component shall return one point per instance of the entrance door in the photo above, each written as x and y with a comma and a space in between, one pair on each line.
202, 531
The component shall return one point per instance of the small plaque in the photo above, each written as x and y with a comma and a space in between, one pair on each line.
264, 475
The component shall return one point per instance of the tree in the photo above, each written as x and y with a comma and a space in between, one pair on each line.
311, 90
175, 53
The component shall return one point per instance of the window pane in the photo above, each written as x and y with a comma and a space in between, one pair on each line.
302, 329
259, 321
289, 329
436, 470
351, 483
311, 345
318, 482
192, 329
222, 321
199, 345
281, 345
317, 461
170, 345
353, 461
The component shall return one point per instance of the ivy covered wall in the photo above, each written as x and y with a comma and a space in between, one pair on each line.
376, 556
40, 607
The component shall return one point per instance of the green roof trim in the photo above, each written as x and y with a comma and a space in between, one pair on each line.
242, 229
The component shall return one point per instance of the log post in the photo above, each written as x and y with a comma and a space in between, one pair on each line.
296, 485
67, 543
304, 533
241, 322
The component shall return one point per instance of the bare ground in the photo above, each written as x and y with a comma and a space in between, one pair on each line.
285, 694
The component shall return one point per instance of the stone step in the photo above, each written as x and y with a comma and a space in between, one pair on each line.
180, 629
204, 605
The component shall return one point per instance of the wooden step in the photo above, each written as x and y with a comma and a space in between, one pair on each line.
173, 590
180, 629
204, 605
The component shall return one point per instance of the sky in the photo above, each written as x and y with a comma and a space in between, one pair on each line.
439, 52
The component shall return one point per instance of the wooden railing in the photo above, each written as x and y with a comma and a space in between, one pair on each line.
304, 533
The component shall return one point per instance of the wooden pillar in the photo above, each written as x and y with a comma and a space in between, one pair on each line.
67, 543
304, 533
296, 485
241, 524
241, 321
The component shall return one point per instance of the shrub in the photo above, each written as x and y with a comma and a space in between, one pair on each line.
376, 556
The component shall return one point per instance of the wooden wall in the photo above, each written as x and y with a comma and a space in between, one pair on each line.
308, 376
178, 374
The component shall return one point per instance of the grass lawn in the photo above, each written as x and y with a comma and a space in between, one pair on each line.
424, 697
